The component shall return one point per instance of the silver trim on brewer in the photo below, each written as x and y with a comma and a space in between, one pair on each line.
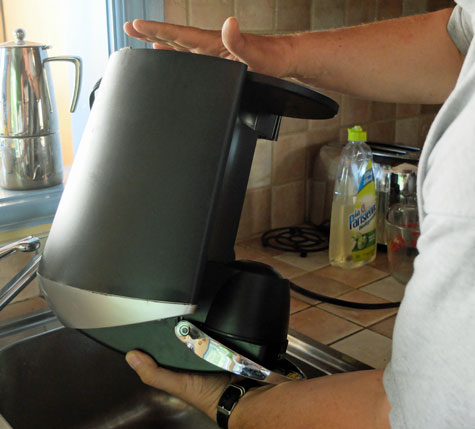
84, 309
217, 354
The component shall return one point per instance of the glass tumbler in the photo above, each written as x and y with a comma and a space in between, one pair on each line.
402, 232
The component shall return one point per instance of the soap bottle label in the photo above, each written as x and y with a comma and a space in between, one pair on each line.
362, 221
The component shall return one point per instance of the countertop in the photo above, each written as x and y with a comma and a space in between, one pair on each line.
365, 335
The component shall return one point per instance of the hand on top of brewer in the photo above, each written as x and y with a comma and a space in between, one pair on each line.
270, 55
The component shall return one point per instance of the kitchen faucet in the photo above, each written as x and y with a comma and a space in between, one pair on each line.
26, 274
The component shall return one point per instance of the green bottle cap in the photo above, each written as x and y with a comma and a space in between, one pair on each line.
357, 134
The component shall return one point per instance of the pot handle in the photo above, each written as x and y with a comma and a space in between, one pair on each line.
78, 76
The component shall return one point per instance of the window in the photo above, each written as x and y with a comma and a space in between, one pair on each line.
90, 29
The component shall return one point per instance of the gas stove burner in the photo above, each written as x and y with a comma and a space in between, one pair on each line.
300, 239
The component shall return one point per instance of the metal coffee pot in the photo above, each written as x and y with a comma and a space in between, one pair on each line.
30, 148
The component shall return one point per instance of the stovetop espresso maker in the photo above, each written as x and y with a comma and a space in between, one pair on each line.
30, 147
140, 254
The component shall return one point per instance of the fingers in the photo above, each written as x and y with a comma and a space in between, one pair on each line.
201, 391
150, 373
177, 37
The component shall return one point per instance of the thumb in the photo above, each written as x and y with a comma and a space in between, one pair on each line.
232, 38
153, 375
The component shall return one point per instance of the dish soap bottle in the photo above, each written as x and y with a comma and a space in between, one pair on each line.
353, 217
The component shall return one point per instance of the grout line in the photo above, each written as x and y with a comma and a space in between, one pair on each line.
345, 337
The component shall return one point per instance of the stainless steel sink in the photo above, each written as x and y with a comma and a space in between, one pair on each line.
54, 377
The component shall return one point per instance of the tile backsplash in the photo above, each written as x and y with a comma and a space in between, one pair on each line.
277, 190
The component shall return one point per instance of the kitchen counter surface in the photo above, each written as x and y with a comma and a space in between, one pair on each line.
365, 335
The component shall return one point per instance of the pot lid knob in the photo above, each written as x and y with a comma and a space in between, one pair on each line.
19, 36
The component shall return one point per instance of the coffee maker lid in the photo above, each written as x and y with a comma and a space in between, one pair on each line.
267, 94
20, 41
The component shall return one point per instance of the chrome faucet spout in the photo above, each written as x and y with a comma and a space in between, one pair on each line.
26, 274
27, 244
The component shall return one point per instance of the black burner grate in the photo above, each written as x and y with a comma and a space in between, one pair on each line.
299, 239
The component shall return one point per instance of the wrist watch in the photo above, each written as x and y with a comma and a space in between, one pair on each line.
229, 399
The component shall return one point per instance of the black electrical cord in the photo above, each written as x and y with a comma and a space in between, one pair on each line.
341, 302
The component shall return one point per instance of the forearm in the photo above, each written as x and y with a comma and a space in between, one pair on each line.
351, 400
406, 60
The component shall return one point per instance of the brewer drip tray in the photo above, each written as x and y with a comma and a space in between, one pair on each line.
299, 239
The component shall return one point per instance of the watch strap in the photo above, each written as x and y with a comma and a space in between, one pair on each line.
229, 399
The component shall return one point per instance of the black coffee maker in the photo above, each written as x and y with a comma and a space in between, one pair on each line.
140, 254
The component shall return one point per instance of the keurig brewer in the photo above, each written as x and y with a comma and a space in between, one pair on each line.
140, 254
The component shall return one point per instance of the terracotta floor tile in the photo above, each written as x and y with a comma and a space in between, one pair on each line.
321, 285
387, 288
297, 305
355, 278
386, 327
256, 244
321, 326
18, 309
286, 270
381, 262
368, 347
313, 261
361, 317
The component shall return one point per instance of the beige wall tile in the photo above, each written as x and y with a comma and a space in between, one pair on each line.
383, 131
381, 111
293, 125
407, 131
430, 108
412, 7
360, 12
261, 165
210, 14
433, 5
175, 11
255, 15
425, 122
288, 159
288, 204
293, 15
387, 9
355, 111
328, 14
255, 216
316, 139
407, 110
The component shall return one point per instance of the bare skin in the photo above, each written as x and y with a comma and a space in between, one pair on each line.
353, 400
406, 60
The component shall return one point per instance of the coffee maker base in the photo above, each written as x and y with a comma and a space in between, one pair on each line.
30, 162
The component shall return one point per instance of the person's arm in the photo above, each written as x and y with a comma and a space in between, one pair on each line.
352, 400
405, 60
